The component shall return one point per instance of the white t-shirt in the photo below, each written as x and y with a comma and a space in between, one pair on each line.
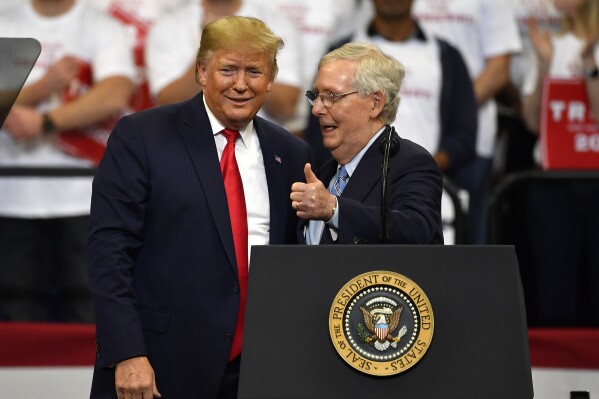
97, 40
418, 115
174, 40
144, 10
478, 29
138, 16
10, 3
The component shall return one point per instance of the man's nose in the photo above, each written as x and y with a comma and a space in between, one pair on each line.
241, 82
318, 108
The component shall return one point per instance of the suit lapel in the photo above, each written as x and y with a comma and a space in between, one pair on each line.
366, 175
364, 178
196, 132
278, 192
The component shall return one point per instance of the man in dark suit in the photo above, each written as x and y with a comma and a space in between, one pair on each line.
169, 236
355, 98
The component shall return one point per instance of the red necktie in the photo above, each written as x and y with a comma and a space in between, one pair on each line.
239, 225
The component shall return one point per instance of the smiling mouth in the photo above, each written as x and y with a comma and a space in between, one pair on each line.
239, 101
327, 128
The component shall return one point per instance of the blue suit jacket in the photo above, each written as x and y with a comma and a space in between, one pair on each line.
414, 187
162, 265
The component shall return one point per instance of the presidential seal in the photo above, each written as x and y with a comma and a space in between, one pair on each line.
381, 323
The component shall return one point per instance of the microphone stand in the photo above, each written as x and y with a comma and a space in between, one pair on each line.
389, 147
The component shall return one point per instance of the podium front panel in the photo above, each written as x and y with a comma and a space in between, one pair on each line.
479, 348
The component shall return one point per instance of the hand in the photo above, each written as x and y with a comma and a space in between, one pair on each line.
61, 74
134, 379
442, 159
312, 200
541, 41
24, 123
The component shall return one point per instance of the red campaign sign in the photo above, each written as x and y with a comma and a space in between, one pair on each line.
569, 134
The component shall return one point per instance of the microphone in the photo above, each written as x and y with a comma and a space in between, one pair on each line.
389, 140
389, 146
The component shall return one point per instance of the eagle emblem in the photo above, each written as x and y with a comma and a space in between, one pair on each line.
381, 316
381, 323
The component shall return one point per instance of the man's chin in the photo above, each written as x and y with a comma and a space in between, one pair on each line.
241, 117
329, 145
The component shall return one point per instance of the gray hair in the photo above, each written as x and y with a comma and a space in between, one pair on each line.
375, 72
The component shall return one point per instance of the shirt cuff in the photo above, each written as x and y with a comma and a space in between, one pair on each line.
334, 221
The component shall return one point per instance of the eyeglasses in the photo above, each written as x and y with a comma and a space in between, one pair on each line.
328, 99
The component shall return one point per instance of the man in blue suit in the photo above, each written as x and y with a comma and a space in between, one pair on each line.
355, 98
167, 268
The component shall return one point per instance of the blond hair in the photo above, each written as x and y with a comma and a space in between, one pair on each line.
375, 72
242, 34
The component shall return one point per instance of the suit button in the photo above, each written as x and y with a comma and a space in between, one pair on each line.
235, 288
227, 337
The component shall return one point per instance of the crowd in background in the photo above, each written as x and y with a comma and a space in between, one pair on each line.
471, 97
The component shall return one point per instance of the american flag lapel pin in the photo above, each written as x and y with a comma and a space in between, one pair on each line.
278, 159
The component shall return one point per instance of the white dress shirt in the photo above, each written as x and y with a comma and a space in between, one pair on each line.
253, 176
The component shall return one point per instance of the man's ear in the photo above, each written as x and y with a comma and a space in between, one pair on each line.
201, 74
378, 103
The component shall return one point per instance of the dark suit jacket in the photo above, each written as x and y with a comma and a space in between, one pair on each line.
414, 187
163, 272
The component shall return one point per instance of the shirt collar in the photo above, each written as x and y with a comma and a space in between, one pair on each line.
417, 33
218, 127
353, 164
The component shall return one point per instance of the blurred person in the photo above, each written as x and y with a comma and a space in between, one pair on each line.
563, 217
570, 53
82, 79
544, 14
181, 195
173, 40
355, 98
514, 141
486, 35
138, 16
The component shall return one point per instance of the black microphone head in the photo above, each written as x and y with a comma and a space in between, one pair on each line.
390, 139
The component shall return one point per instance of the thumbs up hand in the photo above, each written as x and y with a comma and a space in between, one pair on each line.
312, 200
310, 176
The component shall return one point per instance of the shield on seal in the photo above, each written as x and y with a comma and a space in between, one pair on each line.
381, 331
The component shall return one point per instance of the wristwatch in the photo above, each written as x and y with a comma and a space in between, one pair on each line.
48, 125
591, 73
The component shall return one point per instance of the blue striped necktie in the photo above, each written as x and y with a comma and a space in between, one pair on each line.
340, 182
